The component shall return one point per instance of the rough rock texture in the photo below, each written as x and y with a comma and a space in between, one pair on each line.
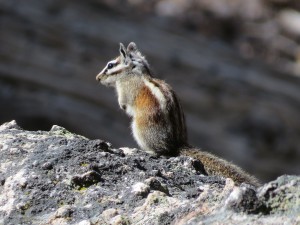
57, 177
51, 51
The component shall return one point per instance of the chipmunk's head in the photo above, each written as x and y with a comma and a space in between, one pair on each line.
130, 62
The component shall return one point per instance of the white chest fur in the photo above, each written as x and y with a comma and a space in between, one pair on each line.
127, 91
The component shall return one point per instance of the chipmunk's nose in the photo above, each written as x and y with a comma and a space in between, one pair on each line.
98, 77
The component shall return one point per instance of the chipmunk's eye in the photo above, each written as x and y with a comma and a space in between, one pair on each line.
110, 65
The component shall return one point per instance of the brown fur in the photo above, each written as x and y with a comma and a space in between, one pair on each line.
146, 108
220, 167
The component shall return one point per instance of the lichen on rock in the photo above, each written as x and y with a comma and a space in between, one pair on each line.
56, 177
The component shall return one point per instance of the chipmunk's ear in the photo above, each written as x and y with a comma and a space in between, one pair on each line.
131, 47
123, 51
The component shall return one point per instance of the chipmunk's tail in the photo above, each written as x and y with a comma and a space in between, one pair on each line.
214, 165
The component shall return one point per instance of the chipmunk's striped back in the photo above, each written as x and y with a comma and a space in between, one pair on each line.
159, 124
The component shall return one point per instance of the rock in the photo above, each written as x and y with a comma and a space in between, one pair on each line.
281, 195
140, 189
64, 178
9, 125
87, 179
52, 50
64, 211
108, 214
154, 184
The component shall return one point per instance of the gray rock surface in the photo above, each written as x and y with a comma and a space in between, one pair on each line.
58, 177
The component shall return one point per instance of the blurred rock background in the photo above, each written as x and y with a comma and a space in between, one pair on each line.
235, 65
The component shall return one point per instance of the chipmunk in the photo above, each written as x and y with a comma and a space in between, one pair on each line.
158, 122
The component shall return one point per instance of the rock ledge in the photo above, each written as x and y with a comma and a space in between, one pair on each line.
57, 177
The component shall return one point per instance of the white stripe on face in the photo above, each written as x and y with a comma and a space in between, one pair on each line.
114, 67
